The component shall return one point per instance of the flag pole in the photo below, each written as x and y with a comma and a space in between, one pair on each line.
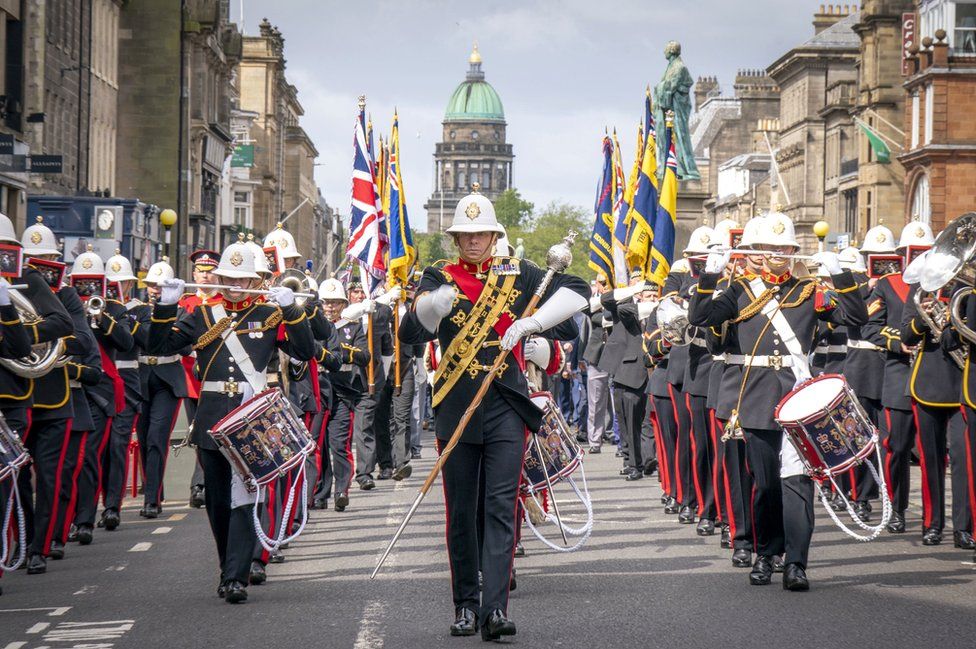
396, 345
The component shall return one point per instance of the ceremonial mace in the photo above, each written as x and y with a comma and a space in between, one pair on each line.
558, 259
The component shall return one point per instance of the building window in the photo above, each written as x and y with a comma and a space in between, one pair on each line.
921, 205
929, 109
242, 197
957, 17
474, 179
916, 108
460, 180
964, 36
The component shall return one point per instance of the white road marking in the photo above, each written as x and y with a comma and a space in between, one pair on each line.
176, 517
369, 636
118, 568
14, 645
89, 632
37, 628
162, 530
84, 590
55, 610
140, 547
59, 611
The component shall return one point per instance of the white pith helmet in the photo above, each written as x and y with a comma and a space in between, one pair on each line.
260, 261
878, 239
776, 229
916, 233
332, 289
852, 259
237, 261
158, 272
7, 233
38, 239
475, 213
118, 268
723, 231
702, 238
751, 232
283, 241
88, 263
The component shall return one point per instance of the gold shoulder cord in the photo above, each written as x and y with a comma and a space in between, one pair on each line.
213, 333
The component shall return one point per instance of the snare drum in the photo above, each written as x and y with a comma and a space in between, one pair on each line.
553, 447
263, 438
13, 454
828, 427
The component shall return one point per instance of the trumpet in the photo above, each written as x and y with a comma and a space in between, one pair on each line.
246, 291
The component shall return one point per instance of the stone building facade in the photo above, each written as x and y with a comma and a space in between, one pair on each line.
13, 179
473, 149
940, 131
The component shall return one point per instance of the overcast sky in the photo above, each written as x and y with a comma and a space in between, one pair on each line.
564, 70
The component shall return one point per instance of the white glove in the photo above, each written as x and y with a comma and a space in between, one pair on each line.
171, 290
561, 305
4, 292
391, 296
537, 351
621, 294
358, 310
595, 304
283, 295
645, 309
830, 261
432, 307
716, 262
607, 321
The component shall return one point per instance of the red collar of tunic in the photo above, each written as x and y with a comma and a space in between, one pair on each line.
483, 267
769, 278
246, 303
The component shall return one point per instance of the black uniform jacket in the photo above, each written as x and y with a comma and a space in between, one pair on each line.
15, 342
935, 378
53, 323
829, 349
130, 375
623, 355
52, 394
113, 335
349, 380
864, 369
969, 375
886, 305
766, 385
510, 384
171, 374
85, 367
597, 339
256, 324
678, 282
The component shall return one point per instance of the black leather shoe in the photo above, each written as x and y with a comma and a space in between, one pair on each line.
276, 557
153, 511
619, 453
741, 558
862, 510
320, 503
196, 497
635, 474
837, 503
897, 523
963, 540
415, 455
496, 626
366, 483
236, 593
111, 519
385, 474
706, 527
84, 534
403, 472
762, 571
72, 534
795, 578
932, 536
257, 576
625, 471
725, 539
519, 549
341, 502
664, 499
222, 590
465, 622
672, 506
650, 467
778, 564
57, 551
686, 515
36, 564
594, 450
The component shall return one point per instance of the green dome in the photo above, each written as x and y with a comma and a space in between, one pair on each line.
474, 99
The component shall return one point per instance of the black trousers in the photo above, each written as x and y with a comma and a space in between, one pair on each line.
736, 489
157, 417
47, 441
501, 454
899, 440
383, 433
701, 448
337, 460
232, 529
667, 426
90, 478
863, 485
648, 445
366, 428
116, 457
630, 405
782, 507
68, 493
191, 411
942, 430
682, 450
400, 422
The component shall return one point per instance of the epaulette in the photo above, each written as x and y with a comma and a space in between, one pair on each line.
888, 275
440, 263
274, 319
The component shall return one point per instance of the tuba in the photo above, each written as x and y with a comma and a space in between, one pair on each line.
951, 259
45, 356
672, 318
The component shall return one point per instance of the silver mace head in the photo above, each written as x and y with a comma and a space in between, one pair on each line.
560, 255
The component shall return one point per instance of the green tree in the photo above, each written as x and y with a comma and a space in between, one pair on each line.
431, 246
548, 227
512, 211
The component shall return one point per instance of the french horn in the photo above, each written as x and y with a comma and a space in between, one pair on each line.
45, 356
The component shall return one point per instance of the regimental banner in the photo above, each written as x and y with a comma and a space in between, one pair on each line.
909, 35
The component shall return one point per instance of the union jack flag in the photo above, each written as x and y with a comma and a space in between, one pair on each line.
367, 238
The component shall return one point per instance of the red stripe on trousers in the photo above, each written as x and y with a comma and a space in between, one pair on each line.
98, 457
49, 533
69, 512
717, 466
677, 444
172, 425
926, 495
887, 467
694, 457
662, 464
969, 472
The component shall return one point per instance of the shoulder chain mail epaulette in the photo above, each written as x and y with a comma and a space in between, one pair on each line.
213, 333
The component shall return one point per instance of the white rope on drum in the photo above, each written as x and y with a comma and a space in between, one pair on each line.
13, 501
272, 544
874, 530
583, 532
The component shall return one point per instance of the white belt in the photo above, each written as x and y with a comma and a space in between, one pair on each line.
347, 367
126, 365
863, 344
230, 388
74, 384
699, 341
158, 360
830, 349
718, 358
773, 362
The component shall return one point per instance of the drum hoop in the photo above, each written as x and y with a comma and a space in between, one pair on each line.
223, 421
799, 388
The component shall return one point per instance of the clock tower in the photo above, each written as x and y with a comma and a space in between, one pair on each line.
472, 148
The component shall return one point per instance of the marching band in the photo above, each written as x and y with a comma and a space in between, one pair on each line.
296, 393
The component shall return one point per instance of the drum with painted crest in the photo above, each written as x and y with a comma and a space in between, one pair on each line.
13, 453
827, 425
553, 450
263, 438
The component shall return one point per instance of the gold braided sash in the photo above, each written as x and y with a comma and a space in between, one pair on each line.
477, 324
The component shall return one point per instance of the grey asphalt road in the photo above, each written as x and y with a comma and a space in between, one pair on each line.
641, 580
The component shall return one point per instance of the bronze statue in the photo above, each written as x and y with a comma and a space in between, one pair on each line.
672, 93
